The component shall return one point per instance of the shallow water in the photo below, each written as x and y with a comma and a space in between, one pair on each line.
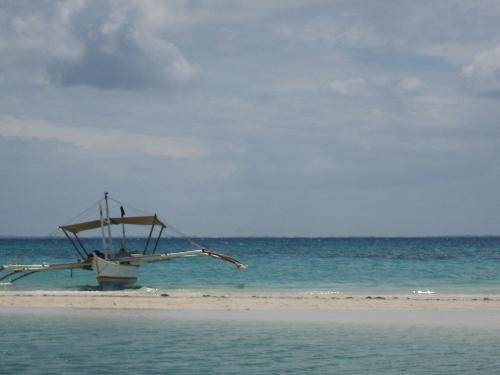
111, 343
457, 265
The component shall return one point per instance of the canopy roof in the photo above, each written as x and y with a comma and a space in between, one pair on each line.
93, 224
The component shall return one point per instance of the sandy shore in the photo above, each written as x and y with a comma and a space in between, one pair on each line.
452, 311
166, 301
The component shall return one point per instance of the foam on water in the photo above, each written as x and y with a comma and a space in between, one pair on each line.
423, 292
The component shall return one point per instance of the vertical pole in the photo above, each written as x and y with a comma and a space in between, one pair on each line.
104, 244
123, 230
108, 221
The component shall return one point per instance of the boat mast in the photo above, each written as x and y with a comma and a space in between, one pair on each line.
123, 246
108, 221
104, 244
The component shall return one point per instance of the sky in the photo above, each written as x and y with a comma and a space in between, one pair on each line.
253, 118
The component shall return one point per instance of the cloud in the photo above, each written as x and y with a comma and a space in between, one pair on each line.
110, 142
483, 73
349, 87
106, 44
366, 87
449, 30
456, 52
124, 60
296, 103
410, 84
485, 64
340, 32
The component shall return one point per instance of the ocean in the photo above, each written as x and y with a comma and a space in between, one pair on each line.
117, 343
441, 265
110, 342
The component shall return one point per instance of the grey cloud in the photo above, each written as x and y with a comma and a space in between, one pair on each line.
123, 63
104, 44
285, 134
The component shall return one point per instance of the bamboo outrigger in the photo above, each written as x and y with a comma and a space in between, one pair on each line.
113, 269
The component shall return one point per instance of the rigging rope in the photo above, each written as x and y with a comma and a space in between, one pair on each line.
171, 228
129, 206
74, 219
84, 212
184, 236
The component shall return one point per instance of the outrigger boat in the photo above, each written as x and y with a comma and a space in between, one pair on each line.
114, 270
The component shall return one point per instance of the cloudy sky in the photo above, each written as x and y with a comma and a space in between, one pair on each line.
286, 118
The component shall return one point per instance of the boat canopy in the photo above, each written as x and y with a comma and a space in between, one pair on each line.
93, 224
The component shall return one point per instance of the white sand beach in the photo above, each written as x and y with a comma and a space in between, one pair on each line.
176, 301
439, 310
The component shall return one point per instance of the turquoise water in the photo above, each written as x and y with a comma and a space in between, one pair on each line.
114, 344
142, 342
292, 265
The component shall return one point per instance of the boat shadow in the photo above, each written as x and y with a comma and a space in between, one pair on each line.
97, 288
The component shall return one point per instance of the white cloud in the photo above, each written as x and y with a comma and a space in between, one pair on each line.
291, 84
103, 141
332, 30
349, 87
456, 52
449, 30
376, 85
483, 73
484, 64
410, 84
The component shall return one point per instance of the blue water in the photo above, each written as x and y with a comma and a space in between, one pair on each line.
140, 342
115, 344
292, 265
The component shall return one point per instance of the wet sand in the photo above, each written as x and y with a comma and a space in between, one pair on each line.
176, 301
376, 309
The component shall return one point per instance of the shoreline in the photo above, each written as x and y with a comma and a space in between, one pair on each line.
407, 311
183, 301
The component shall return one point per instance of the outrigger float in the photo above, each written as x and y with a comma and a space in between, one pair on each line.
114, 270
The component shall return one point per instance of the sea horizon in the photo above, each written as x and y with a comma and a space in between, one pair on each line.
337, 265
443, 236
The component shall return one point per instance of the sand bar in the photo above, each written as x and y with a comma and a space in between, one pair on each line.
173, 301
455, 312
451, 311
168, 301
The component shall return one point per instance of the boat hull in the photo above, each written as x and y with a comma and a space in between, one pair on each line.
113, 274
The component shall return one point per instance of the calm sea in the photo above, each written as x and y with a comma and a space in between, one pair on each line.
113, 342
456, 265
